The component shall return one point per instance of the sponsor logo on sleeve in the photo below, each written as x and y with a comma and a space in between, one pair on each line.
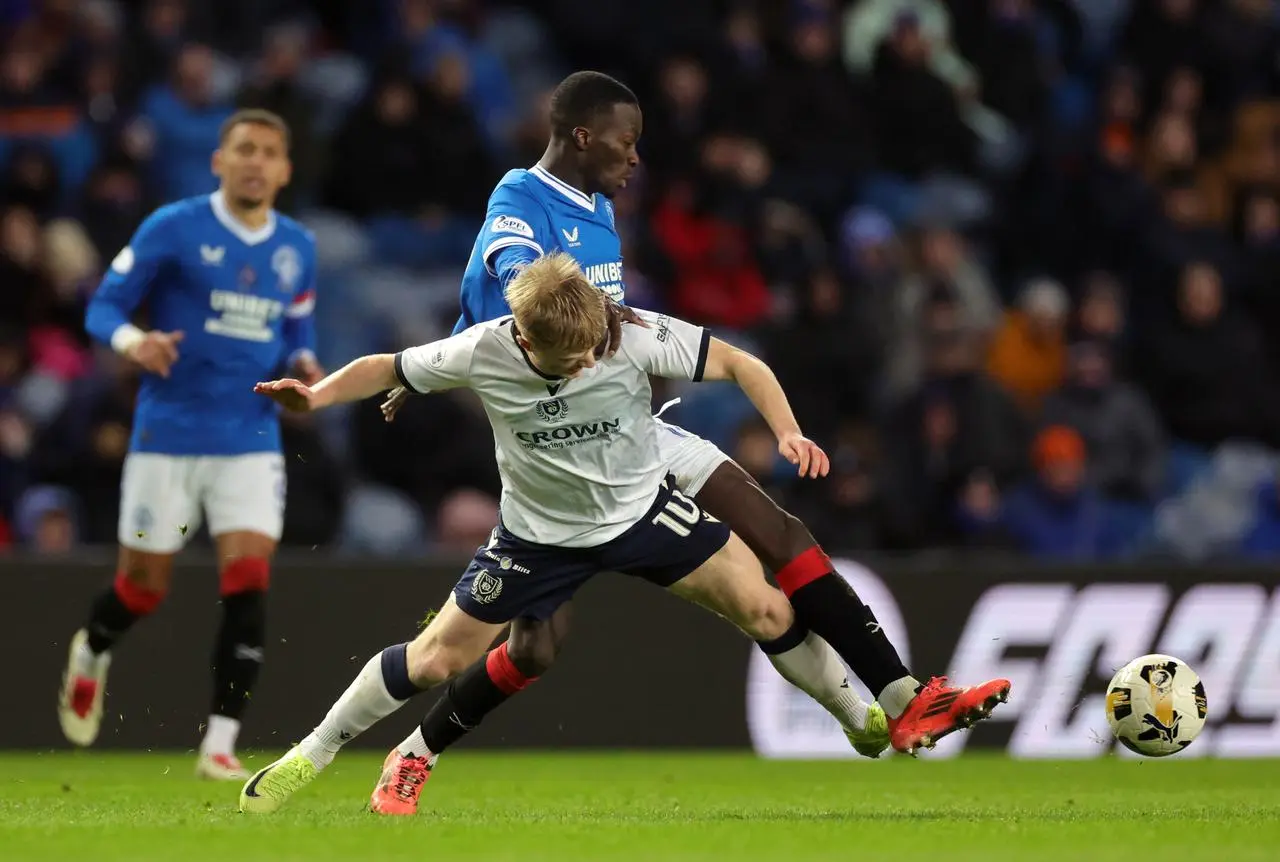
511, 224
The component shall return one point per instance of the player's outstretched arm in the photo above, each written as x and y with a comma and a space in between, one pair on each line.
362, 378
761, 386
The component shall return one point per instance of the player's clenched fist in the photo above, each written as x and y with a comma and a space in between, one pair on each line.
805, 454
156, 351
292, 395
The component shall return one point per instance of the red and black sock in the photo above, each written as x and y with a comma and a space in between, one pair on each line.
829, 607
116, 609
470, 696
238, 650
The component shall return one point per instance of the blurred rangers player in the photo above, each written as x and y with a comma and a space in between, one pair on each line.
228, 285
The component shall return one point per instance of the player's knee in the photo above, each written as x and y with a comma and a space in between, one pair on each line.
142, 580
244, 575
533, 647
765, 615
431, 662
141, 591
146, 572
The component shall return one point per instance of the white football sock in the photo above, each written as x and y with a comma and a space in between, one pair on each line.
86, 661
415, 746
897, 695
220, 737
365, 702
816, 669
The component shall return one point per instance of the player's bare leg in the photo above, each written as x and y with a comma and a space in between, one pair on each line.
529, 652
825, 604
449, 644
732, 584
534, 645
141, 582
244, 568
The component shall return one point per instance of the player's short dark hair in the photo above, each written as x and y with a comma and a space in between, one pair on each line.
582, 97
254, 117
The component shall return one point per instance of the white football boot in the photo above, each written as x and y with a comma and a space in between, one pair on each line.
84, 687
220, 767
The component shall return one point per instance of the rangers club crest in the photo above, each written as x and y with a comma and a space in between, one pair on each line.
143, 521
287, 265
552, 410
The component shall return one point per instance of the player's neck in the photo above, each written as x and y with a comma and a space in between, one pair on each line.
252, 217
560, 163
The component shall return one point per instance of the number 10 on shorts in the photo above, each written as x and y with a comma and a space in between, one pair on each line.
680, 515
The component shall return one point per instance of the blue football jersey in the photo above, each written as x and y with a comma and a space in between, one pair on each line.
243, 299
532, 213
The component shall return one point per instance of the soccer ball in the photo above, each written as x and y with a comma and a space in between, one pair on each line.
1156, 705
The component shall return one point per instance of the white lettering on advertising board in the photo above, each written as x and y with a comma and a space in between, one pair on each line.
1058, 645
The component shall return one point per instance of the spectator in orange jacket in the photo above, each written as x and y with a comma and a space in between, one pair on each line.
1028, 354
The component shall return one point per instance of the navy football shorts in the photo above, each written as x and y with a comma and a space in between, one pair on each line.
510, 578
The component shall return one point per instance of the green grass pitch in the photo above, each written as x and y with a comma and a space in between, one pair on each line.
101, 808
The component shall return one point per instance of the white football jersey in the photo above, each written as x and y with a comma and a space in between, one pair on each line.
579, 457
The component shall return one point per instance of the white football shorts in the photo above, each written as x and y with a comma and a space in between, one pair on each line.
688, 457
163, 497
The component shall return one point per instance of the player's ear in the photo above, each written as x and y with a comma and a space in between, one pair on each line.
215, 163
581, 137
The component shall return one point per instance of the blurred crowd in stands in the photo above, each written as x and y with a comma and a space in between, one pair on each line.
1016, 261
